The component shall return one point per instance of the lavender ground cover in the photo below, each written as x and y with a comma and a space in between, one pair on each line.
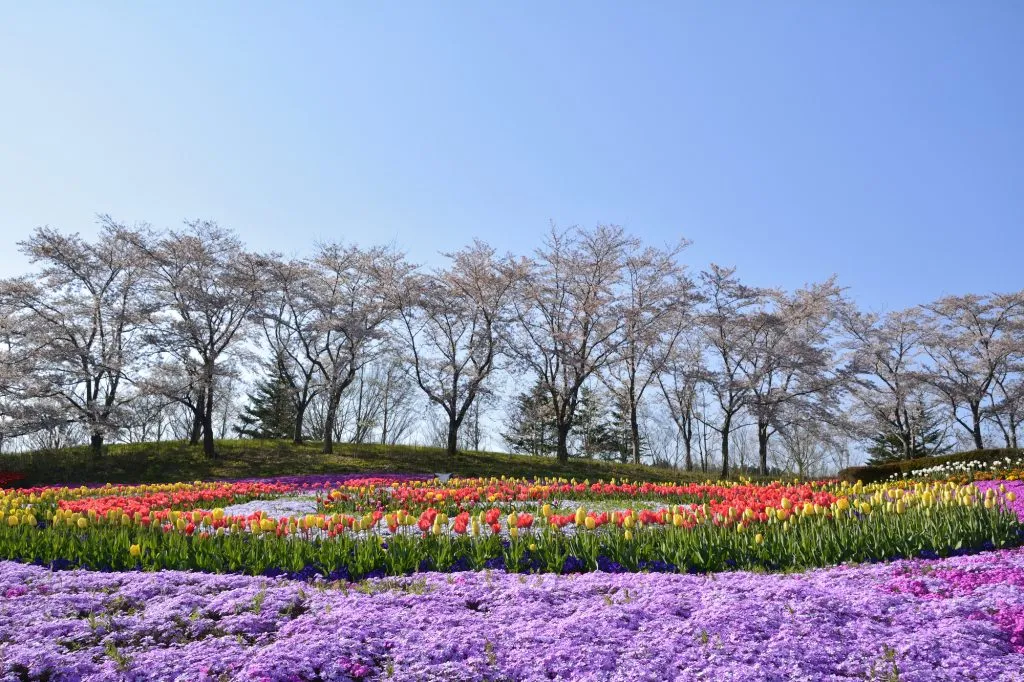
306, 481
952, 619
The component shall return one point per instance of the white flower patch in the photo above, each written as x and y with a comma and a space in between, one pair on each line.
293, 506
965, 467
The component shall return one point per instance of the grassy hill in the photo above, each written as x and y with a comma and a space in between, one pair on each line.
176, 461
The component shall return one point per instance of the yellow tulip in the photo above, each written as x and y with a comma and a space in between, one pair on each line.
590, 523
628, 535
82, 523
135, 550
759, 538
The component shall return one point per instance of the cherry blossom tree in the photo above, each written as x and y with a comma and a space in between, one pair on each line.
348, 297
453, 323
568, 315
792, 369
970, 343
729, 322
208, 286
888, 387
656, 303
81, 315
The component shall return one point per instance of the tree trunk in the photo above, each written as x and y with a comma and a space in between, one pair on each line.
197, 419
208, 448
563, 442
300, 418
453, 437
976, 423
332, 416
96, 444
726, 426
687, 433
762, 447
634, 432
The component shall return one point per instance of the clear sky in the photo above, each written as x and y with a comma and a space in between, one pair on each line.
882, 141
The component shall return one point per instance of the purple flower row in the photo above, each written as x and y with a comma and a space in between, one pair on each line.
952, 619
321, 481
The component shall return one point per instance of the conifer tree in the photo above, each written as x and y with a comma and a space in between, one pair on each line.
271, 411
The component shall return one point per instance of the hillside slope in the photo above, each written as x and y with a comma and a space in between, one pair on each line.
176, 461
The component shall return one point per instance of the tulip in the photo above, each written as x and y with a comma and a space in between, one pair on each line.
135, 550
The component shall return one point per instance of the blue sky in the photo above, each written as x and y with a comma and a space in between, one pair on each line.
879, 141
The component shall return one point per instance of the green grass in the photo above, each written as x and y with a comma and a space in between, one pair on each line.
176, 461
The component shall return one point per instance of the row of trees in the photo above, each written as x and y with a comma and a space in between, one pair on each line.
109, 330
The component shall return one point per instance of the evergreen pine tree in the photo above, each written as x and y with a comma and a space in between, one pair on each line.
271, 412
927, 439
618, 435
530, 426
595, 428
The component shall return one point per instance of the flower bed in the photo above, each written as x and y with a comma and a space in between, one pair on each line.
915, 621
768, 527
